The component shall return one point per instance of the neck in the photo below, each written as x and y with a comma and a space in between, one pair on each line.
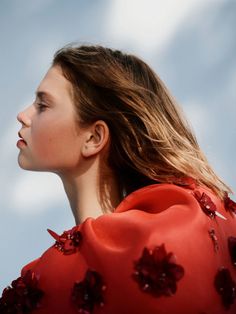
91, 192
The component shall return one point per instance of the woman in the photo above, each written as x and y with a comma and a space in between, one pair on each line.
106, 124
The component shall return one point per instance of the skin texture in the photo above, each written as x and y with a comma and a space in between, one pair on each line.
49, 128
54, 142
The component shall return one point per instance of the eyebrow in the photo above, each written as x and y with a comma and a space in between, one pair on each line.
44, 95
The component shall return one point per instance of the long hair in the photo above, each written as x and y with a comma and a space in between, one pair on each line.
150, 139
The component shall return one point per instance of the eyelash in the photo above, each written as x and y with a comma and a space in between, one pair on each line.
41, 106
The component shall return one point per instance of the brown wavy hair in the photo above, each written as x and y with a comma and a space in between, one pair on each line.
150, 139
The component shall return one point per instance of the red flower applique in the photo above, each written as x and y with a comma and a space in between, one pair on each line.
208, 207
214, 239
88, 293
68, 242
23, 296
225, 286
229, 204
157, 272
232, 249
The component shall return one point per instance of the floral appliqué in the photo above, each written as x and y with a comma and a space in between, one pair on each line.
23, 296
232, 249
229, 204
208, 207
225, 286
69, 242
214, 239
88, 293
157, 272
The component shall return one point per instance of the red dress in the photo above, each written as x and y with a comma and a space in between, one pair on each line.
167, 249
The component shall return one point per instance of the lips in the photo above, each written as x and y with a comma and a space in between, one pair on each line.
21, 138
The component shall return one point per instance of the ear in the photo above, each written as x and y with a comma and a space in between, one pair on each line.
96, 138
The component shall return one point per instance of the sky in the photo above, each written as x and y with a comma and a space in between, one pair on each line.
189, 43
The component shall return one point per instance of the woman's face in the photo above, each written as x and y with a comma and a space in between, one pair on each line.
51, 136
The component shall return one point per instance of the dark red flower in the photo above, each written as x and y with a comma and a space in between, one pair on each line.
225, 286
229, 204
208, 207
157, 273
214, 239
69, 242
88, 293
232, 249
23, 296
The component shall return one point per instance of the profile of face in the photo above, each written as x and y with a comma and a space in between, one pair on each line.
51, 138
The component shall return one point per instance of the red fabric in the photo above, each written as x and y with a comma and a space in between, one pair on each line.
149, 217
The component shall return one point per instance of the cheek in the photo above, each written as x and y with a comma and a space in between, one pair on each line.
56, 145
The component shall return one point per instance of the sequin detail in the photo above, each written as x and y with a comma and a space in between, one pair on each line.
88, 294
208, 207
157, 272
225, 286
23, 296
69, 242
232, 249
229, 204
214, 239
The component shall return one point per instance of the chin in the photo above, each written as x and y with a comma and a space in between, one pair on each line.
26, 165
21, 163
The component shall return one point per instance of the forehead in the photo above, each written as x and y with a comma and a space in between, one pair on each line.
54, 81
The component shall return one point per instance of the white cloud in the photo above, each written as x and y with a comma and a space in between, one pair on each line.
232, 91
25, 192
8, 140
197, 115
147, 23
34, 193
31, 7
9, 135
40, 57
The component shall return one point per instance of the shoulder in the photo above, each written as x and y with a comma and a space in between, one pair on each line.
158, 213
29, 266
164, 246
158, 197
185, 192
185, 209
157, 225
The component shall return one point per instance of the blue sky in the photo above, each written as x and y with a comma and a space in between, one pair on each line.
189, 43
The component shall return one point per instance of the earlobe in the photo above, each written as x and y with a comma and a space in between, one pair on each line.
96, 139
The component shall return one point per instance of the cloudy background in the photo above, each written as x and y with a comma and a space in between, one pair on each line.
190, 43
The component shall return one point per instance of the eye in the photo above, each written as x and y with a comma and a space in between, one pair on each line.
41, 106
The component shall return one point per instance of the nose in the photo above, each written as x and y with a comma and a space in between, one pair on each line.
24, 118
